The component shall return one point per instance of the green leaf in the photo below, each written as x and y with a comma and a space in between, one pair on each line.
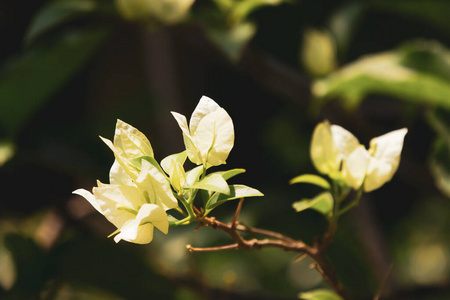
40, 73
237, 191
213, 182
231, 173
418, 72
56, 13
311, 179
320, 294
322, 203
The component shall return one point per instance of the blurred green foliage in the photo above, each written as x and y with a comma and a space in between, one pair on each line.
69, 68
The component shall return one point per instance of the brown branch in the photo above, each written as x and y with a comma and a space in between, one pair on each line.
278, 241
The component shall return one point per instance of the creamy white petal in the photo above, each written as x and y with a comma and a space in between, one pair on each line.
204, 107
132, 146
136, 137
191, 148
173, 165
386, 150
151, 213
135, 233
344, 141
119, 203
155, 186
324, 154
118, 176
204, 136
224, 138
121, 158
355, 167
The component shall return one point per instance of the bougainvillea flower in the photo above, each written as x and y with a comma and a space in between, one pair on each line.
377, 165
210, 135
135, 208
338, 153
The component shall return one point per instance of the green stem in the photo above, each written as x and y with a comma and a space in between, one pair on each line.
353, 203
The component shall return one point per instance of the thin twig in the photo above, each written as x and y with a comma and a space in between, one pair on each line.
384, 282
209, 249
236, 214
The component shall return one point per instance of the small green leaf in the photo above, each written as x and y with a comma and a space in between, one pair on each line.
312, 179
237, 191
320, 294
213, 182
231, 173
322, 203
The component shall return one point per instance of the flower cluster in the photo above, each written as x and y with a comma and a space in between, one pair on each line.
338, 153
141, 191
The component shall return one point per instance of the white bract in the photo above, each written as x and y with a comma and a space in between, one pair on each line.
210, 135
134, 208
337, 153
129, 145
331, 144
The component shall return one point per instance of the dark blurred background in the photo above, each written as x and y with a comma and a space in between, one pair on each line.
70, 68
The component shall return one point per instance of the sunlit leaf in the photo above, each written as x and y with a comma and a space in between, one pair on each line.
418, 72
322, 203
320, 294
237, 191
56, 13
311, 179
231, 173
213, 182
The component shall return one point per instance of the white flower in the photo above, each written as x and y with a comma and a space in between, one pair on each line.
134, 207
210, 135
337, 153
377, 165
331, 144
